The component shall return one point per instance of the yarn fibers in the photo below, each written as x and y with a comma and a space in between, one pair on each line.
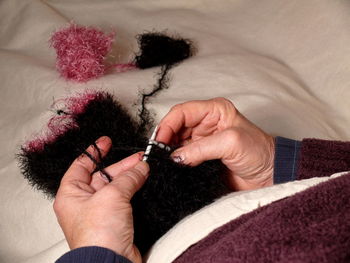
171, 192
82, 51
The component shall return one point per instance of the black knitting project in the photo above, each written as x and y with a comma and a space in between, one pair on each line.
171, 192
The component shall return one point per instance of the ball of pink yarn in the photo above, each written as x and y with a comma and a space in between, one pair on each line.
81, 52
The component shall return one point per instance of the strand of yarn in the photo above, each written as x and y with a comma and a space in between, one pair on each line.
162, 83
158, 49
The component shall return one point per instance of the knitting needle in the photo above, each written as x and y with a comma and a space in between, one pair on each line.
150, 144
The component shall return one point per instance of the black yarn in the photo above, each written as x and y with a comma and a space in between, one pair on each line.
102, 116
171, 192
158, 49
98, 163
162, 83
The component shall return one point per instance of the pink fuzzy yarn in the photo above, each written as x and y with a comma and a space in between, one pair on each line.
81, 52
62, 121
124, 67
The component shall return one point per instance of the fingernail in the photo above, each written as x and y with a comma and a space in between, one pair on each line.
178, 158
140, 155
101, 139
104, 177
143, 168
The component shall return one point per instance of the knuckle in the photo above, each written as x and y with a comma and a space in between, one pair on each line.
123, 165
231, 136
177, 107
199, 148
135, 180
125, 187
134, 176
142, 168
57, 206
115, 191
225, 102
220, 99
131, 172
196, 152
169, 117
228, 109
82, 161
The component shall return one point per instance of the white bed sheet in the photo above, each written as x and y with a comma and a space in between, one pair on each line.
285, 65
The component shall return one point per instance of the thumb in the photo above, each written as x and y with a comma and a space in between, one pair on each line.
216, 146
130, 181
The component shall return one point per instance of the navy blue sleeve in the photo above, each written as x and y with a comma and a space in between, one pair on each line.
92, 255
286, 160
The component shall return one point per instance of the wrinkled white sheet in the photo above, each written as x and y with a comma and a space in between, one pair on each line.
285, 65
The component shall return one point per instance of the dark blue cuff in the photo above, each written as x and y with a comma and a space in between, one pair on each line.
286, 160
92, 255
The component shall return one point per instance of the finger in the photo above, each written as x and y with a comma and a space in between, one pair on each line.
216, 146
99, 180
206, 116
116, 169
83, 166
130, 181
184, 134
188, 115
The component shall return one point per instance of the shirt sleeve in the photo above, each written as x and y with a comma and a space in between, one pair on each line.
287, 153
92, 255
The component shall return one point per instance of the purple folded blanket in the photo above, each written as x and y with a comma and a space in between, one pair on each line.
311, 226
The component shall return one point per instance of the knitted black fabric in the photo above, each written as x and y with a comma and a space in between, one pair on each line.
171, 192
102, 116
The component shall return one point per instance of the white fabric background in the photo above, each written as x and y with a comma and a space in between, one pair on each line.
285, 65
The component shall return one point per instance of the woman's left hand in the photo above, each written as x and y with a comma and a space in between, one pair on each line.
93, 212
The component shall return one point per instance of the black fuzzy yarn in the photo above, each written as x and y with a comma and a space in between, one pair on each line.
171, 192
102, 116
146, 120
157, 49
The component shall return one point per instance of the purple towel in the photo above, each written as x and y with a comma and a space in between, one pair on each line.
323, 158
311, 226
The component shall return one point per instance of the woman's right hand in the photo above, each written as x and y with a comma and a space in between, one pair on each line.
215, 129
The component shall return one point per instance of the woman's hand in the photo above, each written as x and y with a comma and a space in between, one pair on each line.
93, 212
215, 129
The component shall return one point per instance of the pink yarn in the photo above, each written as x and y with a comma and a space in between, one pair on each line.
60, 123
124, 67
76, 105
81, 52
37, 144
